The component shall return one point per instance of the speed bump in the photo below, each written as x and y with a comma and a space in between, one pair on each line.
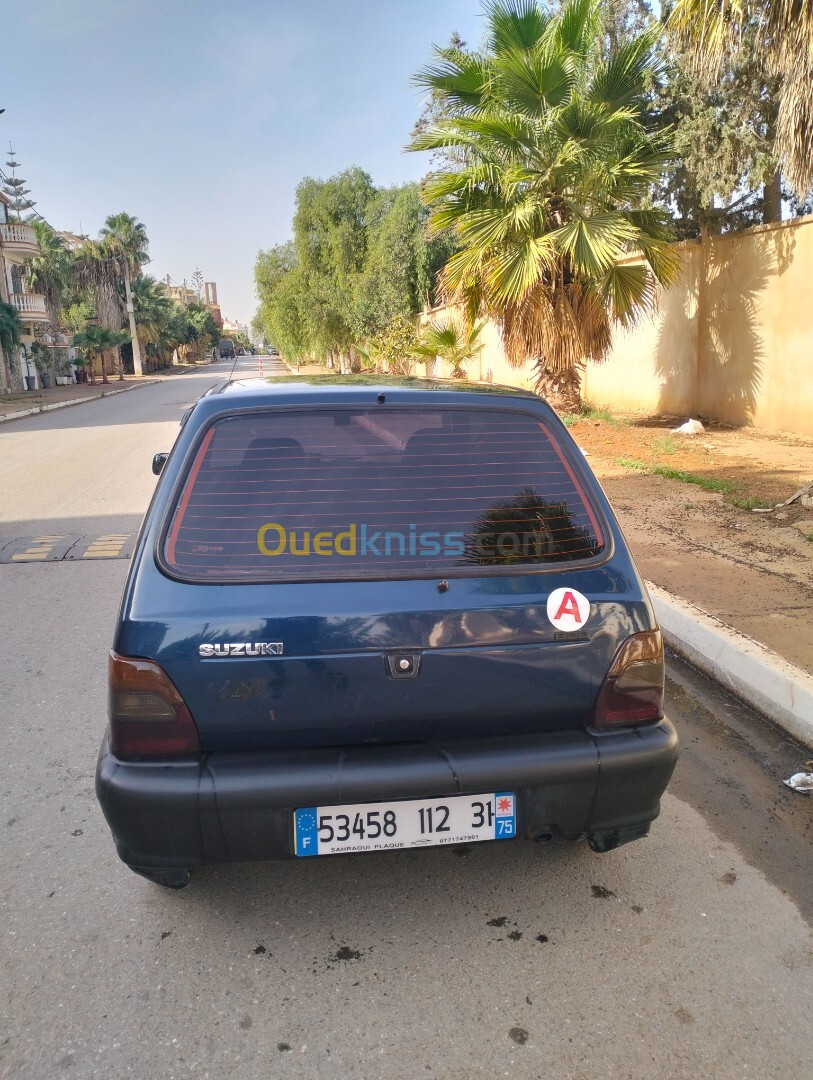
52, 547
46, 547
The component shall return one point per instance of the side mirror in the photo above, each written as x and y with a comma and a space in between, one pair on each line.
158, 462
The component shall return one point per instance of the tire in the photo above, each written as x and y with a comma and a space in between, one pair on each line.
169, 879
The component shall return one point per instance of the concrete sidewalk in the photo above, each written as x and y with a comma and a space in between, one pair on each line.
30, 402
757, 675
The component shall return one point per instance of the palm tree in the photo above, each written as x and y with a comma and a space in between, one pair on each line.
96, 271
557, 161
153, 311
713, 29
455, 344
201, 330
9, 338
124, 238
48, 273
98, 340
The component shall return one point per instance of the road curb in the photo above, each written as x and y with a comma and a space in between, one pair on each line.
6, 418
761, 678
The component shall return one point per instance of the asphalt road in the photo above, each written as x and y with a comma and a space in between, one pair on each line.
687, 954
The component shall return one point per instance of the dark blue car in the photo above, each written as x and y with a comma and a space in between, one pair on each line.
369, 615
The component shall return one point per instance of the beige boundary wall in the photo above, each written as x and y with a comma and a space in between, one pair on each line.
732, 340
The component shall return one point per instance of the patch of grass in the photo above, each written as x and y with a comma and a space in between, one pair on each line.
588, 411
707, 483
632, 463
750, 502
808, 537
595, 412
666, 445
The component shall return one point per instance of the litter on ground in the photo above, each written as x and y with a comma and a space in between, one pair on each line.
691, 427
800, 781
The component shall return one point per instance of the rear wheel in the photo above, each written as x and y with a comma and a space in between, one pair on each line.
170, 879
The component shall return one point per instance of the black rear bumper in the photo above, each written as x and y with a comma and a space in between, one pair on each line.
239, 807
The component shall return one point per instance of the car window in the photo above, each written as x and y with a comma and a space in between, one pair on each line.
337, 493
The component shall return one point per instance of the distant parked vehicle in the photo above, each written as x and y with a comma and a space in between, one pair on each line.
226, 348
241, 352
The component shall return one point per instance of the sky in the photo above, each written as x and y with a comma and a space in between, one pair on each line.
200, 117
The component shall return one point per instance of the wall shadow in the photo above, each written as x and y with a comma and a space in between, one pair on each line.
710, 355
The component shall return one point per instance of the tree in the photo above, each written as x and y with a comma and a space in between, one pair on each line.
548, 207
715, 31
9, 338
48, 273
14, 189
95, 273
437, 107
124, 239
153, 312
455, 344
77, 314
98, 340
283, 301
361, 259
727, 174
623, 19
401, 263
330, 239
396, 346
194, 329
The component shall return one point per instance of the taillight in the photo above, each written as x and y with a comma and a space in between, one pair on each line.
632, 693
148, 717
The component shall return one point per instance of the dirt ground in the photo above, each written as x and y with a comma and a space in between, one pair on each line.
753, 570
768, 466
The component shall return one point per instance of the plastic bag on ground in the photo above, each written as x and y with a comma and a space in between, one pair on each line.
691, 427
800, 781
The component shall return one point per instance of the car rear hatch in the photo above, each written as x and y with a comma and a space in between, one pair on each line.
338, 575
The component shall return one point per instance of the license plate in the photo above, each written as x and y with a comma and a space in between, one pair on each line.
410, 823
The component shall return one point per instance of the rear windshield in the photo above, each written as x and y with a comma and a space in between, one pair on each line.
336, 493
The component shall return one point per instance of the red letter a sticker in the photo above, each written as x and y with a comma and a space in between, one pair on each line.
567, 609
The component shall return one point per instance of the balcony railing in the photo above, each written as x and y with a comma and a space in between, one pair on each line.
30, 305
16, 236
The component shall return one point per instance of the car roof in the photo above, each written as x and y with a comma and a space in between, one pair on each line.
334, 385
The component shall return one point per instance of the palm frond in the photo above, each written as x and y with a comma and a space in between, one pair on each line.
515, 25
629, 291
594, 244
578, 25
457, 78
536, 82
450, 341
619, 80
518, 269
